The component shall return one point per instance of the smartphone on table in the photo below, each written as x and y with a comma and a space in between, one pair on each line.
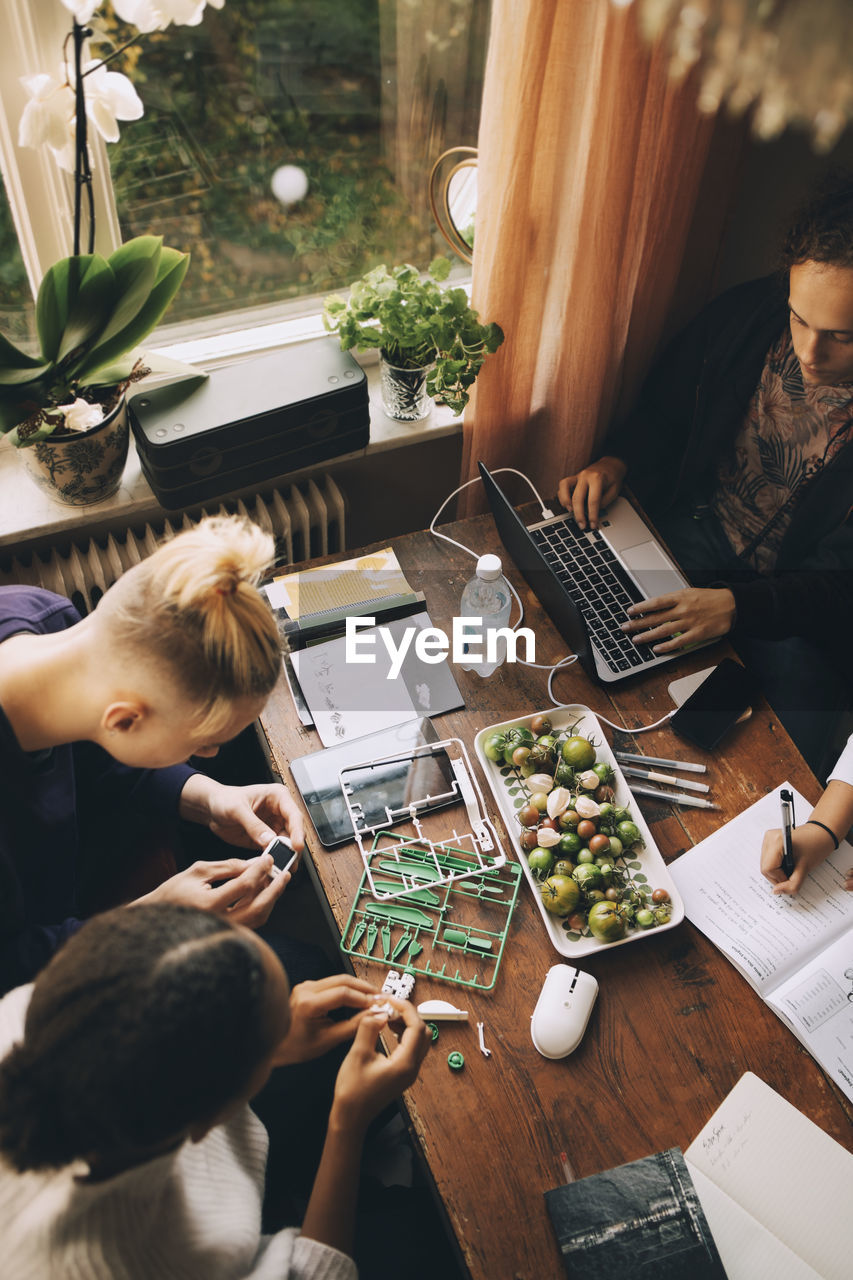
716, 706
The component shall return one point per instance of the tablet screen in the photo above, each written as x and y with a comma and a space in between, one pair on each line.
376, 788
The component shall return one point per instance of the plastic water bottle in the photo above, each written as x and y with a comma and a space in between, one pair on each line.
487, 598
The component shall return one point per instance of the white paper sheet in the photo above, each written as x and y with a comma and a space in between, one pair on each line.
767, 937
779, 1169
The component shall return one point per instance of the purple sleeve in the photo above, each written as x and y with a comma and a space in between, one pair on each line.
153, 791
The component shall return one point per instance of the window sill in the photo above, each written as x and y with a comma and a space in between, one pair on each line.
29, 518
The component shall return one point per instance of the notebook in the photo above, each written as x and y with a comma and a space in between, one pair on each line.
585, 580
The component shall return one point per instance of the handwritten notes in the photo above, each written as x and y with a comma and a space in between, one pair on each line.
726, 896
796, 952
775, 1188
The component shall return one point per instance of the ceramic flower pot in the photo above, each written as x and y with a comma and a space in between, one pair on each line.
404, 393
78, 468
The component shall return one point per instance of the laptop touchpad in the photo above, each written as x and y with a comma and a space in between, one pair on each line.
652, 570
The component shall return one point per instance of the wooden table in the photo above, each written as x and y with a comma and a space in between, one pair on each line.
675, 1025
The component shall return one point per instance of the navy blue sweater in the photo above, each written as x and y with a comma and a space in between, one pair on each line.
44, 801
689, 412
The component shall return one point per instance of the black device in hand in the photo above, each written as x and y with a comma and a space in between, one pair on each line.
715, 706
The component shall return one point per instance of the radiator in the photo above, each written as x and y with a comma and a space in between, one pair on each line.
309, 520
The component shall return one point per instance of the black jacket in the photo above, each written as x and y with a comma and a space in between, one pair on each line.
690, 410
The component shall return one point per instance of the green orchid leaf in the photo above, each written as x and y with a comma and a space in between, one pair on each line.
172, 267
89, 308
56, 296
110, 375
135, 267
12, 357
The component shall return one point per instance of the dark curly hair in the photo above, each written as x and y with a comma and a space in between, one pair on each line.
822, 229
148, 1020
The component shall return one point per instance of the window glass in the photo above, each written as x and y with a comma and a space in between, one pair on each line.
17, 310
287, 143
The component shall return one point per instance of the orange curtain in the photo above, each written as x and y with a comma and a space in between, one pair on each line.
590, 161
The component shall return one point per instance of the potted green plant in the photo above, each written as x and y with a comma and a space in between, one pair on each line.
91, 314
430, 340
64, 405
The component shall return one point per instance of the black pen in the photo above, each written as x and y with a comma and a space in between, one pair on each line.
787, 801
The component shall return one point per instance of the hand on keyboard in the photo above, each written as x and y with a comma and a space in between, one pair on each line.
681, 619
585, 494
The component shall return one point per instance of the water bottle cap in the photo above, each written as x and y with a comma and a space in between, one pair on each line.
489, 568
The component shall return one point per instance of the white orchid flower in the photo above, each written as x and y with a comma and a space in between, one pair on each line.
110, 97
156, 15
82, 9
48, 118
80, 415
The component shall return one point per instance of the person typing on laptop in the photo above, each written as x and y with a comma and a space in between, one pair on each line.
740, 449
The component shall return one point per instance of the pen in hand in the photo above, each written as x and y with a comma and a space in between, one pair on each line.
787, 802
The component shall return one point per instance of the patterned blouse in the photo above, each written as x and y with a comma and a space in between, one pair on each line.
791, 430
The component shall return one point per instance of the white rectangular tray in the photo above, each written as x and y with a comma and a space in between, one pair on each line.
509, 790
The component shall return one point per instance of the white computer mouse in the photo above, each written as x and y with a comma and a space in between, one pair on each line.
562, 1010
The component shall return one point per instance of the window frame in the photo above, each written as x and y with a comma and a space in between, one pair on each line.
41, 201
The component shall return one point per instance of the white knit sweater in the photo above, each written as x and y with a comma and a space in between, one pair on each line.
194, 1214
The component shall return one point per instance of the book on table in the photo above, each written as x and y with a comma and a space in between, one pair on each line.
796, 951
387, 683
761, 1194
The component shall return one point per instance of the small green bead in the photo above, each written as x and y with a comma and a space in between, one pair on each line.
455, 1060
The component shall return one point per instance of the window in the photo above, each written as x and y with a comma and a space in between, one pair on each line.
17, 312
356, 98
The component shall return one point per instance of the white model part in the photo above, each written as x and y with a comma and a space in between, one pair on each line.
441, 1011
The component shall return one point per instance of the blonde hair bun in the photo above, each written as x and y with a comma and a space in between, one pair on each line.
194, 607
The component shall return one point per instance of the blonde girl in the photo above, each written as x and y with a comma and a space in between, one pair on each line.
177, 658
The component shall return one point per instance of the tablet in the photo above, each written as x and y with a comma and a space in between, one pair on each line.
388, 786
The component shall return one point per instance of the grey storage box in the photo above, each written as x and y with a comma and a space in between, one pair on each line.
248, 423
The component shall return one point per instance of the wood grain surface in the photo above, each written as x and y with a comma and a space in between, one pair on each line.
675, 1025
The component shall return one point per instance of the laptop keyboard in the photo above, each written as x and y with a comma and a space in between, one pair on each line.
599, 584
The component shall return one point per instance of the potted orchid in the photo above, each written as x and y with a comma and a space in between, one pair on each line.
65, 402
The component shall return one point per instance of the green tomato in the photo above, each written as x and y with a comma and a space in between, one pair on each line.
540, 861
493, 747
570, 844
578, 752
628, 833
560, 895
588, 876
514, 738
606, 921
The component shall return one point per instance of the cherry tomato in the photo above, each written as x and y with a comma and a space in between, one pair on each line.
529, 816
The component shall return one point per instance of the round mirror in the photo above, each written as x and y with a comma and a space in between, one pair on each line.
453, 198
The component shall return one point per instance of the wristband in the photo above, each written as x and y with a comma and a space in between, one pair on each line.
813, 822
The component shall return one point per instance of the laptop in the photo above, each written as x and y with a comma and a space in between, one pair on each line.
585, 579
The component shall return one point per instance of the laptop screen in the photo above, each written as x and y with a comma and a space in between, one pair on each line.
527, 557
